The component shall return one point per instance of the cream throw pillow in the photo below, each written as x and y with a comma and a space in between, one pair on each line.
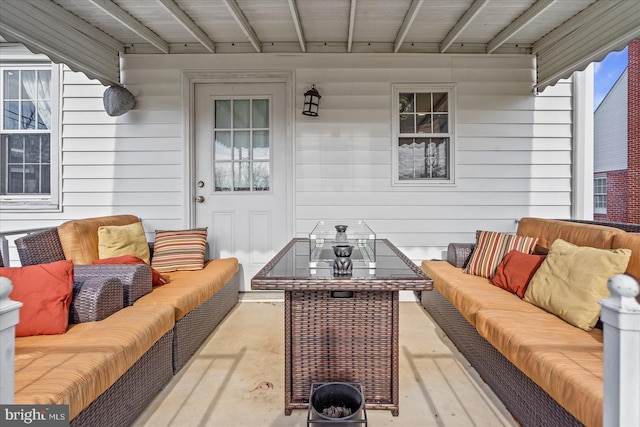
117, 240
572, 279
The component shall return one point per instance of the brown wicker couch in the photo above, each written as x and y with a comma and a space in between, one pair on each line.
109, 368
546, 371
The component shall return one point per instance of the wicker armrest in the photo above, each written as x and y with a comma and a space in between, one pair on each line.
41, 247
458, 254
95, 299
135, 278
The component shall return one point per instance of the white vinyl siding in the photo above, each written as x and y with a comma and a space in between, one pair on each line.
512, 156
610, 129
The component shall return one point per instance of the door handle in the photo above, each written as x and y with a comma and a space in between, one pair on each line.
200, 199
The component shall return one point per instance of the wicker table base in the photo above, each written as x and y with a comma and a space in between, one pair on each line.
333, 338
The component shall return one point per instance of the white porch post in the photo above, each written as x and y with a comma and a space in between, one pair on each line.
621, 318
8, 320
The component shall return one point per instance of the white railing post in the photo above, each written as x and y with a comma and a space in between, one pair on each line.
621, 319
8, 320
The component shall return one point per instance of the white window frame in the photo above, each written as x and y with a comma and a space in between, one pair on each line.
40, 202
398, 88
599, 209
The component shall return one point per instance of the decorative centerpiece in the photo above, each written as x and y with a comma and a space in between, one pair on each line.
341, 233
342, 265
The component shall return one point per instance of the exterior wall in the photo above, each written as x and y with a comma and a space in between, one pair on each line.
616, 197
513, 148
633, 130
610, 129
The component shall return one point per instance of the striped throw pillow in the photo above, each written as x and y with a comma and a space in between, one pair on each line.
492, 247
176, 250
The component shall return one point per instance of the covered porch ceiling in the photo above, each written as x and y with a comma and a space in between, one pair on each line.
90, 35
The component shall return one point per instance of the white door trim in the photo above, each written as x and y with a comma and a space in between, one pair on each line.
189, 81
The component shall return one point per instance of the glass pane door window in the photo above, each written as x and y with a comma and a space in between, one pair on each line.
423, 133
242, 144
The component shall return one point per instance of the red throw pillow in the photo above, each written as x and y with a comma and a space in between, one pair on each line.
156, 278
516, 270
45, 291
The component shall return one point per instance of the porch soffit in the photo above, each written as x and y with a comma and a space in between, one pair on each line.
89, 36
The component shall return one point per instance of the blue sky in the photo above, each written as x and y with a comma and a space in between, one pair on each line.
606, 73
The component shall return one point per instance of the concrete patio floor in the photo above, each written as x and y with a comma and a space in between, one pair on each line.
220, 385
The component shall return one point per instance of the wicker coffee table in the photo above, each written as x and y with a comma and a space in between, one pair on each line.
341, 329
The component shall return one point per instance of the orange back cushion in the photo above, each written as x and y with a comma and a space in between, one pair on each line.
79, 237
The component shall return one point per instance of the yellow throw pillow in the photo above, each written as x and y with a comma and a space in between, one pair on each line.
117, 240
572, 279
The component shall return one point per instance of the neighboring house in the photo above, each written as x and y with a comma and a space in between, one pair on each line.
617, 147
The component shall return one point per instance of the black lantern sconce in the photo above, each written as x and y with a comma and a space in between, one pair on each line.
311, 102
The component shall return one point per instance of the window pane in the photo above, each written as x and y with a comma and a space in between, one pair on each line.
11, 84
16, 149
440, 102
261, 176
406, 103
223, 176
223, 114
29, 88
16, 173
45, 148
28, 115
222, 147
423, 102
44, 84
32, 149
45, 178
437, 158
31, 179
261, 144
424, 123
241, 113
260, 113
11, 115
44, 115
405, 158
241, 176
440, 123
241, 145
407, 124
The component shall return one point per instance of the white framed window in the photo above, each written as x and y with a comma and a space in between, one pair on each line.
29, 136
423, 131
600, 194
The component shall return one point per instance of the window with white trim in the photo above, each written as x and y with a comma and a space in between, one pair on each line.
423, 134
600, 194
29, 136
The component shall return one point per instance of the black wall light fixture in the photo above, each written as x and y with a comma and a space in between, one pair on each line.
311, 102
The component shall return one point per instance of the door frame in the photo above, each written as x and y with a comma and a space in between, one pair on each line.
189, 81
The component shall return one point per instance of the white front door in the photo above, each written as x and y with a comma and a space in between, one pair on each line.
241, 171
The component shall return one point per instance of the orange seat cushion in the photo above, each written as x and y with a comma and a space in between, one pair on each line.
188, 289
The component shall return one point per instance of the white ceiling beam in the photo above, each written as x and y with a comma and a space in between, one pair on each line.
188, 24
296, 22
352, 23
133, 24
59, 14
519, 23
406, 24
462, 23
237, 14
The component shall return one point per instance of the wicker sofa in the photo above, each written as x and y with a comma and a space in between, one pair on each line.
546, 371
108, 366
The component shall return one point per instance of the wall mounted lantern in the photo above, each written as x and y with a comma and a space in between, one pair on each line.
311, 102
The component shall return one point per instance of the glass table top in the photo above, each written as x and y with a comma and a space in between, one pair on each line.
293, 266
